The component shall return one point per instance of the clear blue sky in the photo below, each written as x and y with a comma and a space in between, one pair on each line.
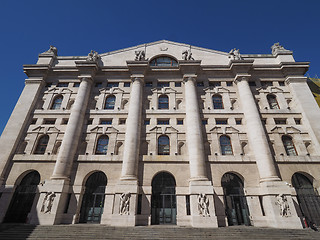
27, 28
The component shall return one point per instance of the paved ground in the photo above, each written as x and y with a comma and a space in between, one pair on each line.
91, 231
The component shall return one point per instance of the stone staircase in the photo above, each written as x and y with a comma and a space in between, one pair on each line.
91, 231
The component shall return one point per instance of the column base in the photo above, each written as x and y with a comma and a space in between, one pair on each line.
202, 205
51, 203
279, 208
124, 210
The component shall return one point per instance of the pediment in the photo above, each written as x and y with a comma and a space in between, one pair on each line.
164, 47
277, 130
103, 129
224, 130
292, 129
46, 129
164, 90
59, 90
269, 89
112, 90
218, 89
163, 129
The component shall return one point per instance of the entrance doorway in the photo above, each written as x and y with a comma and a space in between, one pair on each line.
23, 198
93, 198
235, 201
163, 199
308, 198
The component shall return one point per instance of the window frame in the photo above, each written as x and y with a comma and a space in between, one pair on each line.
102, 149
106, 102
162, 147
217, 104
289, 148
224, 145
41, 146
57, 105
163, 105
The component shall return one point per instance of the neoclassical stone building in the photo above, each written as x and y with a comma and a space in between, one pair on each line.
163, 133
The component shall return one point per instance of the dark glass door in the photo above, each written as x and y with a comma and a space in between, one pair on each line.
93, 198
236, 207
163, 200
23, 198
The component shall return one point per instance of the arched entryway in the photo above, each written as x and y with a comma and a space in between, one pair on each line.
23, 198
93, 198
235, 201
308, 198
163, 199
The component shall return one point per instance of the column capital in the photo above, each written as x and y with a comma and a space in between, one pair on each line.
187, 77
241, 77
87, 78
295, 79
137, 77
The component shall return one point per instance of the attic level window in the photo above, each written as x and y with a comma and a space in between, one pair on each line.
214, 84
163, 84
164, 62
63, 84
112, 84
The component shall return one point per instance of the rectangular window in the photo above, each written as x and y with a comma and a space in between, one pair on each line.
297, 121
214, 84
221, 121
33, 121
49, 121
252, 84
177, 84
264, 121
63, 84
122, 121
188, 205
238, 121
200, 84
147, 122
112, 84
204, 121
148, 84
229, 83
89, 122
64, 121
281, 83
163, 84
126, 84
162, 121
98, 84
76, 84
280, 121
139, 208
106, 121
179, 121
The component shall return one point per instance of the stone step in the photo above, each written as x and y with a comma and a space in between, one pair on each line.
90, 231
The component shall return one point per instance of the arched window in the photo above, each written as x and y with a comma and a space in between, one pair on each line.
102, 145
272, 100
163, 102
110, 101
163, 145
42, 145
57, 102
289, 146
164, 62
225, 144
217, 102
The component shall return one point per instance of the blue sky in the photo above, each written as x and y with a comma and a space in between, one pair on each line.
27, 28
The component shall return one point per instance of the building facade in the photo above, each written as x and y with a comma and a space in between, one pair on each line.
163, 133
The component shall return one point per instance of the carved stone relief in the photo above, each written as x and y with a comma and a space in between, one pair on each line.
48, 202
203, 205
283, 205
124, 203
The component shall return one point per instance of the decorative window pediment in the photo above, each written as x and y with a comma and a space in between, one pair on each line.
41, 129
163, 130
224, 130
216, 90
104, 130
269, 89
164, 90
59, 90
113, 90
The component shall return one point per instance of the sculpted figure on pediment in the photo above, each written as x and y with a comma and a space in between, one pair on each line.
234, 54
140, 55
92, 56
187, 55
277, 47
53, 50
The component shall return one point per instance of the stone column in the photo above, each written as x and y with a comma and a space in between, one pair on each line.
72, 134
199, 184
194, 132
133, 130
59, 183
256, 134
